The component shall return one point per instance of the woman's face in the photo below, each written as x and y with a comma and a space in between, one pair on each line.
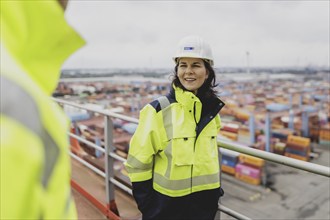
192, 73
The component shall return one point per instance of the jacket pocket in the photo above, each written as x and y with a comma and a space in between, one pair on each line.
183, 150
206, 150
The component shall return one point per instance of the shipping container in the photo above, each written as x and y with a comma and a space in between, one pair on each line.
300, 141
231, 127
298, 147
295, 156
226, 161
244, 158
248, 170
325, 134
303, 153
279, 148
228, 169
230, 135
247, 179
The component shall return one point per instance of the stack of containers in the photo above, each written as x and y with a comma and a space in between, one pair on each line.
279, 148
244, 135
230, 131
249, 169
298, 147
261, 143
324, 138
261, 140
282, 136
229, 161
242, 116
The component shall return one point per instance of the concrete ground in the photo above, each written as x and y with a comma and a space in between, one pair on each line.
288, 194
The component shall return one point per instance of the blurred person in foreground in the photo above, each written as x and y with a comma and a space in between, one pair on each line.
173, 156
35, 165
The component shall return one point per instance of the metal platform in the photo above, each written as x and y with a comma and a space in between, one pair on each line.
94, 185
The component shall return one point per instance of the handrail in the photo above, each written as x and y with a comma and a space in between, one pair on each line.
96, 170
91, 144
298, 164
103, 112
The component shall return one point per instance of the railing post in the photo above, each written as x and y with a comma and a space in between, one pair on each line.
268, 130
291, 120
220, 163
305, 124
109, 172
252, 129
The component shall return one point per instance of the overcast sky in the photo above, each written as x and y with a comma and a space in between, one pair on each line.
144, 34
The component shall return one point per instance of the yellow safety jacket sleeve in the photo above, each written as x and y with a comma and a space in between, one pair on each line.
35, 165
145, 143
218, 122
27, 159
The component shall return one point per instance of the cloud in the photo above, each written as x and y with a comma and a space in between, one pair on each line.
137, 34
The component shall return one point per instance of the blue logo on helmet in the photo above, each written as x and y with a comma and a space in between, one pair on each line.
188, 48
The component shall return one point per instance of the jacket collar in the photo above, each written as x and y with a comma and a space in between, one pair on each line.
211, 106
186, 98
37, 36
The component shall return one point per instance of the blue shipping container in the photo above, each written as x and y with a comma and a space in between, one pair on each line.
294, 151
230, 163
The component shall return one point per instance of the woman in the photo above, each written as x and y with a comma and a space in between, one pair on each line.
173, 157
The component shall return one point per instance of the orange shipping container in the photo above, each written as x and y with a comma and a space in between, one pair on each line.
228, 169
248, 179
254, 161
295, 156
230, 135
325, 134
296, 140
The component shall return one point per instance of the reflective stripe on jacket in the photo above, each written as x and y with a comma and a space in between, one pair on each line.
175, 146
35, 165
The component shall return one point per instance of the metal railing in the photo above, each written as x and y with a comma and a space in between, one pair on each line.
287, 161
110, 181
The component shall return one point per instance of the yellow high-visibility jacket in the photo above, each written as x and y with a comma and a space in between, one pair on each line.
35, 165
174, 146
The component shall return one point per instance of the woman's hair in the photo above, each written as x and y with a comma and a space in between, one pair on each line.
207, 89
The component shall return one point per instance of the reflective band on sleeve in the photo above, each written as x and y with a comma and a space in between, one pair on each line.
167, 121
168, 153
132, 161
164, 102
20, 106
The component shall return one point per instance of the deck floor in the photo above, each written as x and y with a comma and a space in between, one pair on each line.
94, 184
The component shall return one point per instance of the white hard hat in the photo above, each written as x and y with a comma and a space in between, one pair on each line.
194, 46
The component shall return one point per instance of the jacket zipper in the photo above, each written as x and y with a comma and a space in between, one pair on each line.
192, 166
